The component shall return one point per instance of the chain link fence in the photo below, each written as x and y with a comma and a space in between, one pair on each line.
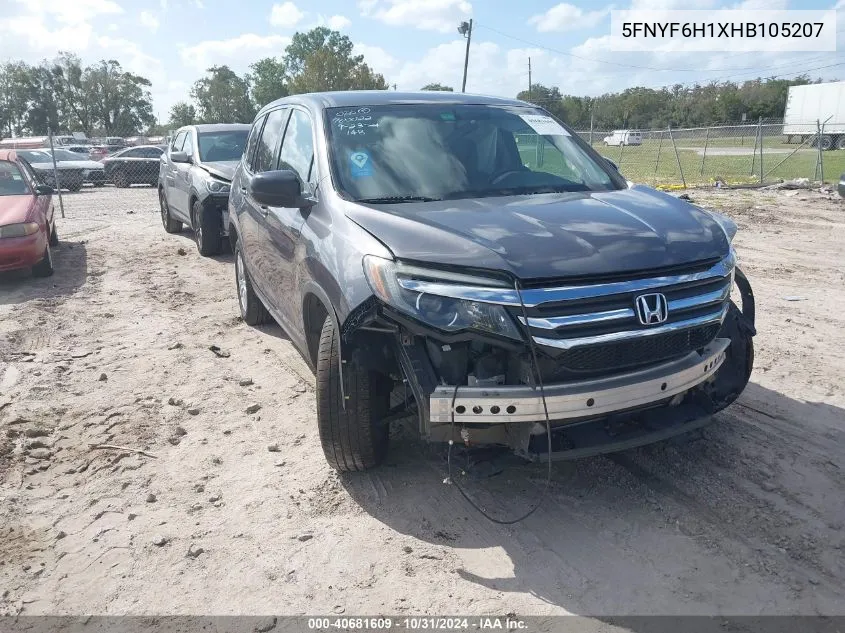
740, 154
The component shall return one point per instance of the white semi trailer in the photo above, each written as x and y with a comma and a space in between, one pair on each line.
812, 103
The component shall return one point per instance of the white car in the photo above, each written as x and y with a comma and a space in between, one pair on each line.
624, 137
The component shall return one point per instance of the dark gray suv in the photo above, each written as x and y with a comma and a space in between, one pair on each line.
195, 175
471, 262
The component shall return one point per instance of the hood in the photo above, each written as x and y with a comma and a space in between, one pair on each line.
15, 209
224, 169
549, 235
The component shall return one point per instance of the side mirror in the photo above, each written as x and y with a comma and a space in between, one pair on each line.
43, 190
179, 157
279, 189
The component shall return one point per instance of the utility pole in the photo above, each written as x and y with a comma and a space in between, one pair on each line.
529, 79
465, 29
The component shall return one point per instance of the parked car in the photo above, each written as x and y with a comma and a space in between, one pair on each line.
402, 243
133, 166
73, 169
624, 137
27, 218
196, 174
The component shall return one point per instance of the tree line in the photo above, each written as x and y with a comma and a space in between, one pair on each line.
64, 95
679, 105
316, 61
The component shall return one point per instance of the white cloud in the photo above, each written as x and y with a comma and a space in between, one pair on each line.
149, 20
568, 17
237, 52
430, 15
285, 15
338, 22
377, 58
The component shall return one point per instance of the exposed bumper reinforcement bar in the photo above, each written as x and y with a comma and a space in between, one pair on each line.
522, 403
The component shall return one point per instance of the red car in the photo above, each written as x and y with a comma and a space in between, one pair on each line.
27, 220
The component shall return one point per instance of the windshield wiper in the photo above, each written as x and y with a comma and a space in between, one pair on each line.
389, 199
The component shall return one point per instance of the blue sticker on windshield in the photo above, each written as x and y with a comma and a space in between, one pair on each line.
360, 165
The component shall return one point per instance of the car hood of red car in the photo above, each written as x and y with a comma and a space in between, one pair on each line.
16, 209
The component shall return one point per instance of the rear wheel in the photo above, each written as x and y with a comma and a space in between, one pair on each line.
827, 142
120, 179
840, 142
353, 439
253, 311
44, 268
206, 229
170, 225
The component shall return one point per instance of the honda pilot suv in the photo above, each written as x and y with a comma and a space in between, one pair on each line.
194, 176
470, 262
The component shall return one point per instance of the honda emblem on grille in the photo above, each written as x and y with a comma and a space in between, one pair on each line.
652, 308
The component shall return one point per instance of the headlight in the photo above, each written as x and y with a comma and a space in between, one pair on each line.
444, 313
18, 230
216, 186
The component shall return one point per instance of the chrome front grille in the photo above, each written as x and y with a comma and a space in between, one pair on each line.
595, 327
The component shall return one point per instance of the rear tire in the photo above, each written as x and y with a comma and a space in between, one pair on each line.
206, 230
44, 268
253, 311
120, 179
352, 440
840, 142
170, 225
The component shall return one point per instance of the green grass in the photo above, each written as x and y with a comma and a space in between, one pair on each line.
641, 164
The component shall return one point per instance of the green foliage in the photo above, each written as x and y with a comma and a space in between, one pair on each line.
322, 60
181, 114
679, 106
268, 80
438, 87
61, 94
223, 97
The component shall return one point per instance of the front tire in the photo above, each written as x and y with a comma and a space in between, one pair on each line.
44, 268
170, 225
354, 439
253, 311
206, 230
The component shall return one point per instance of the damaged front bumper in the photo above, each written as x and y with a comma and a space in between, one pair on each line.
587, 412
574, 400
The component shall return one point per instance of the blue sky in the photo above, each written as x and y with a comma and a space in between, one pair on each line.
412, 42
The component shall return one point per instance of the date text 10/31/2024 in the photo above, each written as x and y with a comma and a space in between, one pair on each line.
417, 624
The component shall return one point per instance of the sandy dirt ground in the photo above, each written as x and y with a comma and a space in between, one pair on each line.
234, 511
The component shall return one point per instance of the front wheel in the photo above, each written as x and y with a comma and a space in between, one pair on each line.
353, 439
206, 230
44, 268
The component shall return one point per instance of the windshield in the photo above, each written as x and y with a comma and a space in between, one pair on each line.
222, 146
446, 151
43, 156
11, 180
